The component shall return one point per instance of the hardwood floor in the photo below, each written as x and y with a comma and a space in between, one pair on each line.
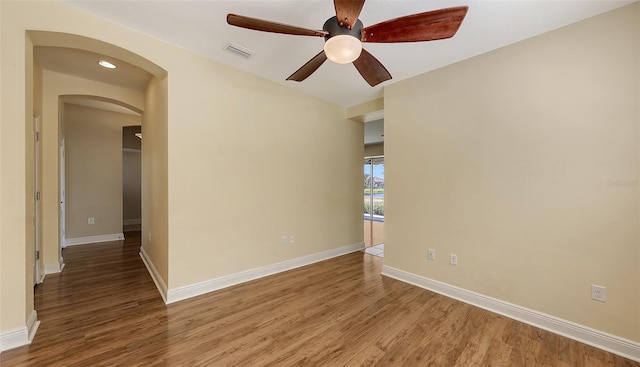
104, 310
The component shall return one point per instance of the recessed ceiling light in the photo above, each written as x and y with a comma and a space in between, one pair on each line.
106, 64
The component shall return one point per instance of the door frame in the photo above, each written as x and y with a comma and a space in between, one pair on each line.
61, 197
38, 266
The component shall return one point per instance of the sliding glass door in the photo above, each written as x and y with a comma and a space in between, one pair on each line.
373, 201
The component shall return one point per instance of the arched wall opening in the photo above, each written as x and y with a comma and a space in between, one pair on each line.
53, 92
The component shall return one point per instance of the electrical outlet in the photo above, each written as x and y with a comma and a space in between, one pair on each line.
91, 220
453, 259
598, 293
283, 239
292, 239
431, 254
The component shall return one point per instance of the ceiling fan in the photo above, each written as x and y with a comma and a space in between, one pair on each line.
345, 33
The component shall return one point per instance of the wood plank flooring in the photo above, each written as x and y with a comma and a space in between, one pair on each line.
104, 310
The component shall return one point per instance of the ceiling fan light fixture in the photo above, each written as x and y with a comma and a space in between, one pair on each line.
343, 48
344, 34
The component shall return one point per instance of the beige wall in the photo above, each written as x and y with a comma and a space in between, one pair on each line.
15, 103
524, 163
93, 170
373, 150
29, 176
250, 161
155, 210
367, 111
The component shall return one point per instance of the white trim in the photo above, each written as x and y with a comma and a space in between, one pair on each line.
131, 222
193, 290
32, 325
157, 279
21, 336
53, 268
596, 338
94, 239
13, 339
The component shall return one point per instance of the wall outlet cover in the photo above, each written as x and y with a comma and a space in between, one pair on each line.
431, 254
453, 259
598, 293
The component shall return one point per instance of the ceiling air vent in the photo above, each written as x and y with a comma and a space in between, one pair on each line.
239, 50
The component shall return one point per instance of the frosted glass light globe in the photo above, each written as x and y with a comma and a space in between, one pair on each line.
343, 49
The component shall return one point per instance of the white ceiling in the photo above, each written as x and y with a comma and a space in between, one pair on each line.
374, 132
200, 26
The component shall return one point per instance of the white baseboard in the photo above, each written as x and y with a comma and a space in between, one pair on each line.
93, 239
21, 336
599, 339
181, 293
32, 325
131, 222
53, 268
157, 279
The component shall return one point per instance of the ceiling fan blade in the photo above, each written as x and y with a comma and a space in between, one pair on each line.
371, 69
348, 11
268, 26
428, 26
308, 68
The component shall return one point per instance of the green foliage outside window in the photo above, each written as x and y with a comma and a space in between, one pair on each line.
378, 207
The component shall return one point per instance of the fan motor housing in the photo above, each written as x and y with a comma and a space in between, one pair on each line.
335, 29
